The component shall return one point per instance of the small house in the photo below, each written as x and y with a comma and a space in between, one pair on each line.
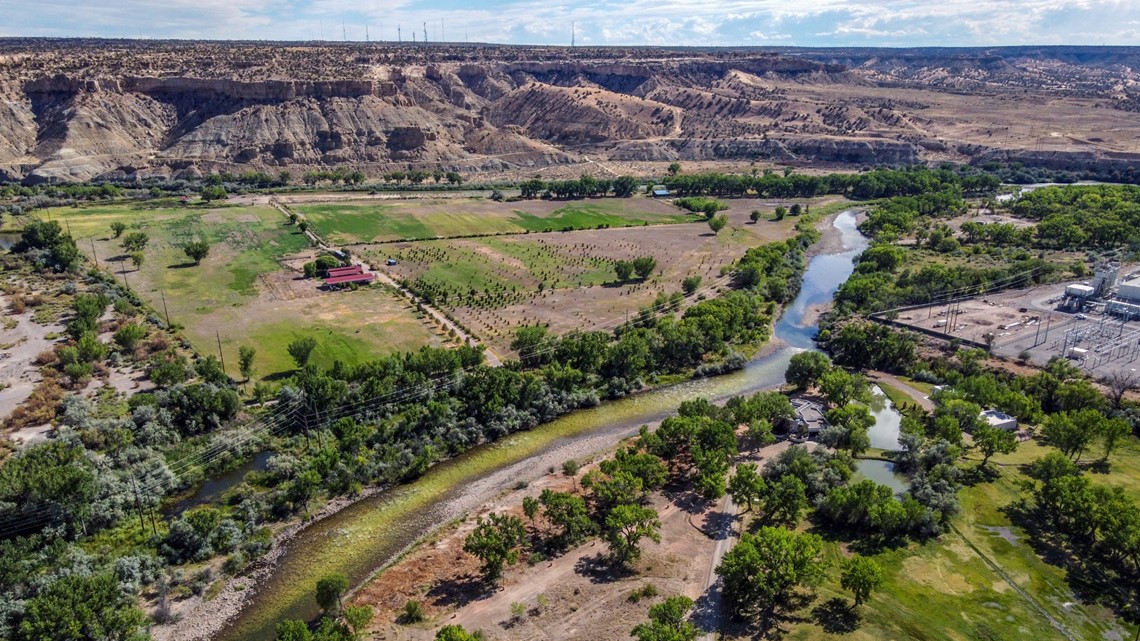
659, 191
999, 420
391, 262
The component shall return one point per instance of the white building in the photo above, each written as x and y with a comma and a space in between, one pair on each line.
1000, 420
1130, 290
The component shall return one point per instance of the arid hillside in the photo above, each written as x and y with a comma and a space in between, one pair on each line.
84, 109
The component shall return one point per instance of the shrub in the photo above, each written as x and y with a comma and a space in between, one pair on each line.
413, 612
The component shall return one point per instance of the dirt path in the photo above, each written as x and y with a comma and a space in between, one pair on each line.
21, 344
493, 358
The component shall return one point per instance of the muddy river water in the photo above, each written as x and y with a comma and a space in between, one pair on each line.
364, 537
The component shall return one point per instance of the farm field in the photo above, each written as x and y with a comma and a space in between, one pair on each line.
370, 221
244, 292
495, 284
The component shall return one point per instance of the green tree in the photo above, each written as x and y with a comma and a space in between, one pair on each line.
358, 617
781, 212
455, 633
197, 250
990, 440
764, 569
626, 525
841, 387
747, 486
135, 241
690, 284
755, 216
624, 270
644, 266
495, 542
82, 608
861, 576
667, 622
117, 228
805, 368
1072, 432
330, 589
212, 193
246, 355
301, 349
717, 223
674, 168
293, 630
786, 500
568, 512
1111, 431
137, 259
129, 335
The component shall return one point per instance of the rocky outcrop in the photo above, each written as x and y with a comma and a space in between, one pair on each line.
80, 110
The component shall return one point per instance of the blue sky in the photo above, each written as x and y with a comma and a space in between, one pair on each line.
597, 22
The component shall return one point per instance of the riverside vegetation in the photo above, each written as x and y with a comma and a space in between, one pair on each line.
72, 548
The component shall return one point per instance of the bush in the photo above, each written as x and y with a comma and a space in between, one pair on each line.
413, 612
570, 467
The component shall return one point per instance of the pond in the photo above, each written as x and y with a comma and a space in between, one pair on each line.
7, 240
362, 538
885, 432
881, 472
214, 488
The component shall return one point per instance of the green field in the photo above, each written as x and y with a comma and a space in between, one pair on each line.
944, 589
362, 222
226, 296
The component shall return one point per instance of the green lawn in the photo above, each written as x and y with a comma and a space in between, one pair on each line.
225, 297
361, 222
943, 589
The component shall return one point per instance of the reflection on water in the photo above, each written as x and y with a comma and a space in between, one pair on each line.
8, 240
885, 432
881, 472
215, 487
369, 533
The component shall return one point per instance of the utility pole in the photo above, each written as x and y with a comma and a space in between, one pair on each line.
366, 33
94, 256
165, 311
221, 356
572, 34
399, 36
442, 31
425, 32
343, 31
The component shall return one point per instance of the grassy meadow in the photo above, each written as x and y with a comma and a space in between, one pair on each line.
355, 222
241, 293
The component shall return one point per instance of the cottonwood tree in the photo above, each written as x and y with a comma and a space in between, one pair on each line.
644, 266
568, 512
667, 622
717, 223
765, 569
197, 250
135, 241
861, 576
495, 542
990, 440
805, 368
117, 228
623, 269
626, 525
746, 486
330, 589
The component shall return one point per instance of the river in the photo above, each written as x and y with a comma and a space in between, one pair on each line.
362, 538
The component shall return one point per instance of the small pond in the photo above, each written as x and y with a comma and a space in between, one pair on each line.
881, 472
885, 432
215, 487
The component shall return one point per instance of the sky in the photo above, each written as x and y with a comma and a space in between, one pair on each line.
762, 23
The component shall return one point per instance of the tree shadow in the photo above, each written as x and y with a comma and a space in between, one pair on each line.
978, 475
706, 610
836, 616
599, 569
460, 591
278, 376
182, 265
685, 499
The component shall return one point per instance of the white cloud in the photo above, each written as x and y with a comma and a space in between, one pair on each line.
658, 22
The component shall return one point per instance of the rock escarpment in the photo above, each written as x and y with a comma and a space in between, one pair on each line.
81, 110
